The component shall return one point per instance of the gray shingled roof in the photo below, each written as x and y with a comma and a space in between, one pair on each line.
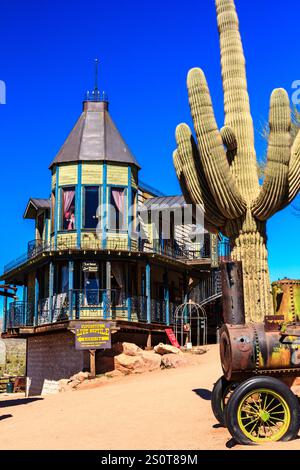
34, 204
167, 202
95, 138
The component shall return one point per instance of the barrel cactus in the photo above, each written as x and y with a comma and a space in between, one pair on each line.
219, 169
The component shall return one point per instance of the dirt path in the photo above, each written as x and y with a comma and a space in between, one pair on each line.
161, 410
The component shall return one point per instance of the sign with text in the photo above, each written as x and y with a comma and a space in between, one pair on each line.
90, 267
172, 338
92, 335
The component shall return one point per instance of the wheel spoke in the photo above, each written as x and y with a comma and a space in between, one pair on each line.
269, 404
279, 404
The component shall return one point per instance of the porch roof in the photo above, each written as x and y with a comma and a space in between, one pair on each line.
34, 204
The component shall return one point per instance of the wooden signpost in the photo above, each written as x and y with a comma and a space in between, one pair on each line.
91, 337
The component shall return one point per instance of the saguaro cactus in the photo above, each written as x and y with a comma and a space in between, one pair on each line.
219, 171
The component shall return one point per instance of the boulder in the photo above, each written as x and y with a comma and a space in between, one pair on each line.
166, 349
131, 349
128, 364
172, 361
152, 361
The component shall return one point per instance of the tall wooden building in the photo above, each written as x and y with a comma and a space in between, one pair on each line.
94, 255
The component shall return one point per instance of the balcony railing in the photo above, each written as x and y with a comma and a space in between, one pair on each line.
91, 304
174, 250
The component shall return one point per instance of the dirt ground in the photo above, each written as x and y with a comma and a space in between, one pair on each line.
164, 410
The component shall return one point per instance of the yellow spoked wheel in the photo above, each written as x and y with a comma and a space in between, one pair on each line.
264, 415
261, 410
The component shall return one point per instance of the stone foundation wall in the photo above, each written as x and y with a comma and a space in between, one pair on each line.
52, 357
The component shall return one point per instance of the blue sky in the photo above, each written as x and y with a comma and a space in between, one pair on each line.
146, 49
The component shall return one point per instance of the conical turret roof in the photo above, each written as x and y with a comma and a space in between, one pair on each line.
95, 137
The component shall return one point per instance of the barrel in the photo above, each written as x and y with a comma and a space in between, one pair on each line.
10, 387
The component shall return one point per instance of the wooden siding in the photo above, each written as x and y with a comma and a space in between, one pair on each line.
117, 175
68, 174
92, 173
90, 239
53, 179
134, 178
66, 240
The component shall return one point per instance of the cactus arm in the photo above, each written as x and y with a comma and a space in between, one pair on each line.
230, 142
191, 168
182, 178
236, 99
294, 173
216, 168
275, 187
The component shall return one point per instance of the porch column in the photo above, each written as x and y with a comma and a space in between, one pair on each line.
71, 287
148, 291
24, 308
130, 208
79, 205
186, 298
36, 300
128, 292
167, 297
56, 215
5, 312
51, 289
104, 206
107, 296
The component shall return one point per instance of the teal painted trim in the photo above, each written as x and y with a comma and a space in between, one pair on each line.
5, 313
36, 300
24, 319
46, 238
79, 205
130, 208
148, 291
104, 206
167, 297
71, 287
56, 215
51, 289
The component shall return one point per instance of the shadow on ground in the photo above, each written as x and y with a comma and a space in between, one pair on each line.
16, 402
203, 393
5, 417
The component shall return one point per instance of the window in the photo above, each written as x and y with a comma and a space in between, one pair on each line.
68, 209
117, 213
91, 204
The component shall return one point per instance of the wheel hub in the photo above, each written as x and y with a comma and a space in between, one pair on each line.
264, 416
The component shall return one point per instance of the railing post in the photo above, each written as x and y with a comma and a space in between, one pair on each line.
71, 287
167, 297
36, 300
148, 291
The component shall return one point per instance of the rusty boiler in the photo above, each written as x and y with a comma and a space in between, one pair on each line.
270, 347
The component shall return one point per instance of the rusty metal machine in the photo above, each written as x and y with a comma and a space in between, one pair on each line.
256, 397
